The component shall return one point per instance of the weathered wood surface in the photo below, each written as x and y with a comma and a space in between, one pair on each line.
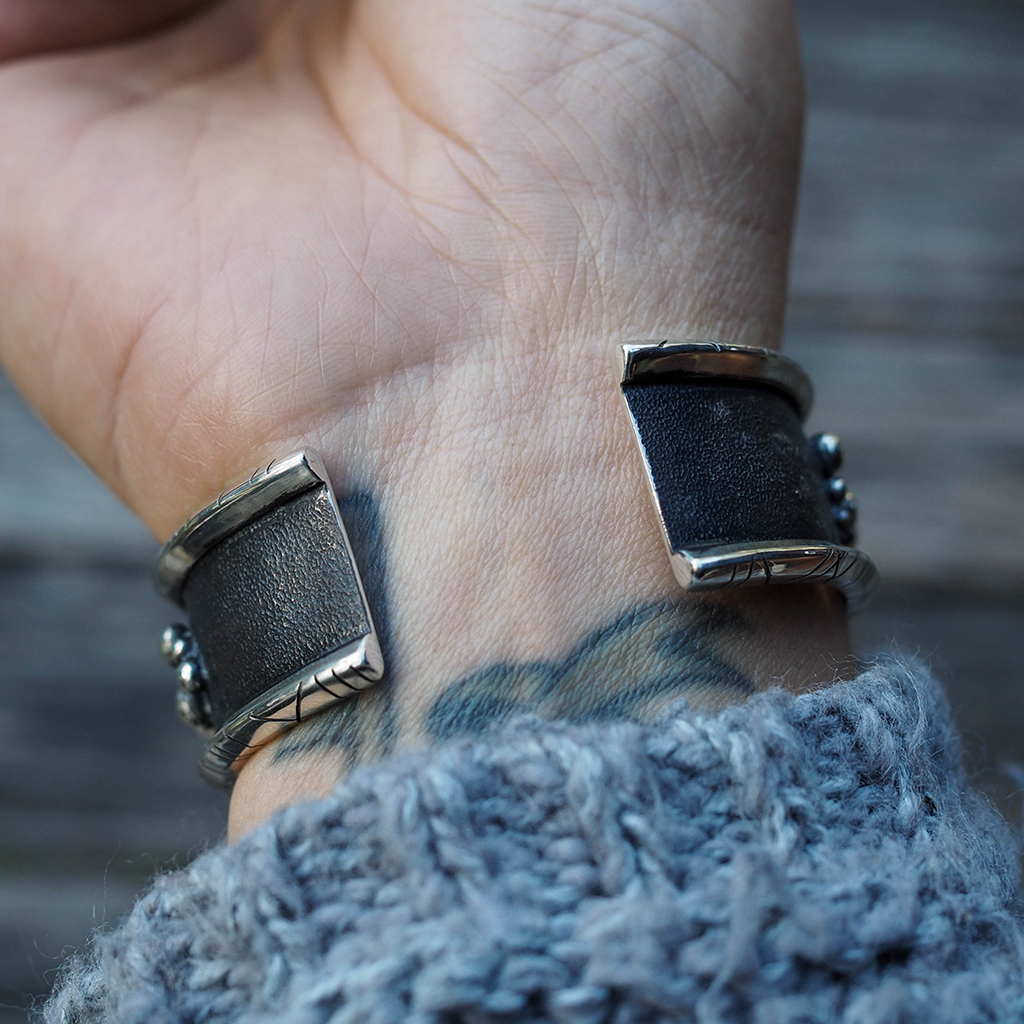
97, 783
908, 309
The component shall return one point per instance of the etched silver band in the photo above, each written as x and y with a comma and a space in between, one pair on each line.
695, 360
750, 565
315, 688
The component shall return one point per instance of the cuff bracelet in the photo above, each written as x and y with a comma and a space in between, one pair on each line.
280, 625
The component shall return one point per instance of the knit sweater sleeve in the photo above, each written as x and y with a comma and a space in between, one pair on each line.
815, 858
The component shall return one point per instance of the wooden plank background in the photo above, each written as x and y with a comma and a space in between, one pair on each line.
907, 307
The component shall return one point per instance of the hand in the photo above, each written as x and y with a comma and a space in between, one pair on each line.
407, 234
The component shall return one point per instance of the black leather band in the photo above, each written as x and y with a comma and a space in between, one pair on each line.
279, 594
729, 463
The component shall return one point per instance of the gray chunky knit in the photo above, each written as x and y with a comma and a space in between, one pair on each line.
796, 859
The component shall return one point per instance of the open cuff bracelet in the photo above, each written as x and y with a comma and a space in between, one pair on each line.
280, 625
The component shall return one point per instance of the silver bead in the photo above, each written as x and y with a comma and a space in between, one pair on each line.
828, 453
175, 642
190, 710
836, 488
190, 677
845, 513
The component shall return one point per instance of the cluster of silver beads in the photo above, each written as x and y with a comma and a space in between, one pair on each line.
827, 455
179, 649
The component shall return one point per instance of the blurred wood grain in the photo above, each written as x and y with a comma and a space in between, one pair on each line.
908, 310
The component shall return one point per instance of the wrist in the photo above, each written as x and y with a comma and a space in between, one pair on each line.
517, 567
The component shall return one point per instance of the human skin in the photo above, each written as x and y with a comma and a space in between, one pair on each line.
409, 234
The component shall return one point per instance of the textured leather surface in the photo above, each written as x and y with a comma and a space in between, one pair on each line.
275, 596
729, 463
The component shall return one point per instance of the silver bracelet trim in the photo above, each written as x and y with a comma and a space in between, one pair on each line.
647, 360
744, 565
282, 479
314, 688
